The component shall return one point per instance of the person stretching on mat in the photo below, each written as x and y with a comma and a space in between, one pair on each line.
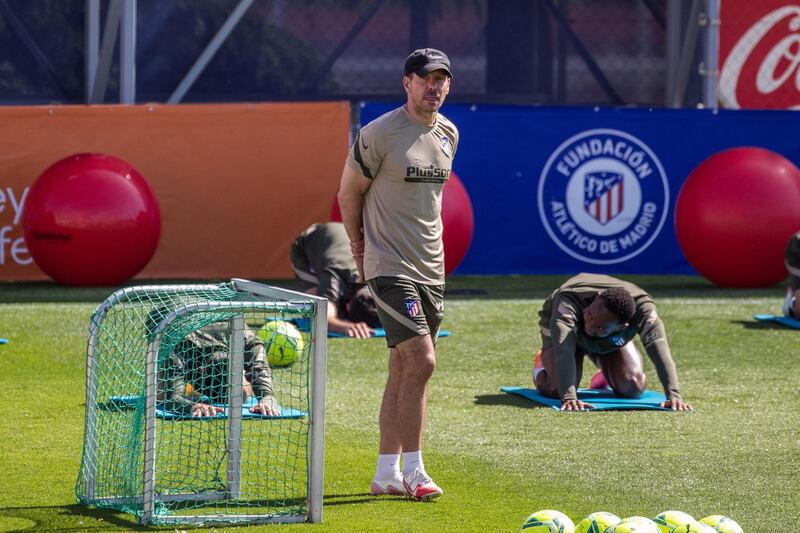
791, 306
598, 316
193, 379
321, 257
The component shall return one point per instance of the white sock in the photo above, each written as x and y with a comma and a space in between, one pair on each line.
388, 466
412, 461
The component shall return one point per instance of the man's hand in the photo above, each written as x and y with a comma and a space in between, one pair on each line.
359, 330
676, 404
204, 409
267, 406
357, 249
575, 405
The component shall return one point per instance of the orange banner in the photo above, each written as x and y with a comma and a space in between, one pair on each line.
236, 183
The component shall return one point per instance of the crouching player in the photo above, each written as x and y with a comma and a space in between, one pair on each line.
193, 380
791, 306
598, 316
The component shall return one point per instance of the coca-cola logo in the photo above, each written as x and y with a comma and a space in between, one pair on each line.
762, 70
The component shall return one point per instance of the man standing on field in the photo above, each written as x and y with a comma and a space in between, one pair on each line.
391, 201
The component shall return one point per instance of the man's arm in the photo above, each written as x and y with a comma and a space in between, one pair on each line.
352, 188
359, 330
331, 287
176, 395
172, 387
562, 331
654, 339
259, 374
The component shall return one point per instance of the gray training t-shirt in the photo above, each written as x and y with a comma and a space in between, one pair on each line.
409, 164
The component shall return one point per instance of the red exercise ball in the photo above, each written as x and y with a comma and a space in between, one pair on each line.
458, 222
735, 214
91, 220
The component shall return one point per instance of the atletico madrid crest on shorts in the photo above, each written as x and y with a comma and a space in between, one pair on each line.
412, 307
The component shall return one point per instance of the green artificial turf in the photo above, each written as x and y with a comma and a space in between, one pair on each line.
498, 457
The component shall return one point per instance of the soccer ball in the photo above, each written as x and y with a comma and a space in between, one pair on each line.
634, 524
722, 524
694, 527
283, 340
597, 522
669, 521
548, 521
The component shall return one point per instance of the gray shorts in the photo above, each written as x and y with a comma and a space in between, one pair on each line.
407, 309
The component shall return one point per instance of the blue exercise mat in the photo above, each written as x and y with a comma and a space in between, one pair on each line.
3, 341
129, 402
782, 320
378, 332
603, 400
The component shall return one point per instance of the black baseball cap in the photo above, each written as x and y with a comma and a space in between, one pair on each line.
425, 60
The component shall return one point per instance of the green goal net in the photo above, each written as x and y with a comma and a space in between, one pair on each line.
204, 404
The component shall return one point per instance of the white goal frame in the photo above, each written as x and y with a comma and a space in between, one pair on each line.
275, 298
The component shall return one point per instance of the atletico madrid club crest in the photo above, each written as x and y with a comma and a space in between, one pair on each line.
412, 307
603, 196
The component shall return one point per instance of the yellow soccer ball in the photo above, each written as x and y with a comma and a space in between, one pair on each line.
283, 341
669, 521
692, 527
722, 524
634, 524
598, 522
548, 521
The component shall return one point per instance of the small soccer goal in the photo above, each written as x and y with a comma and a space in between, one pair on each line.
205, 404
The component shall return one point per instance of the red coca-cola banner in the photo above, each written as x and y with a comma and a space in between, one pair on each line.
759, 54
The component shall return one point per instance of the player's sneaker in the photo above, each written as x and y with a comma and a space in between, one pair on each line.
393, 487
598, 381
421, 486
537, 364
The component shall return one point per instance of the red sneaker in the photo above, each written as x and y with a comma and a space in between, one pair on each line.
598, 381
422, 487
537, 363
394, 487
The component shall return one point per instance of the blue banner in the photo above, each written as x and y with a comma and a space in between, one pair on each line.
567, 190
